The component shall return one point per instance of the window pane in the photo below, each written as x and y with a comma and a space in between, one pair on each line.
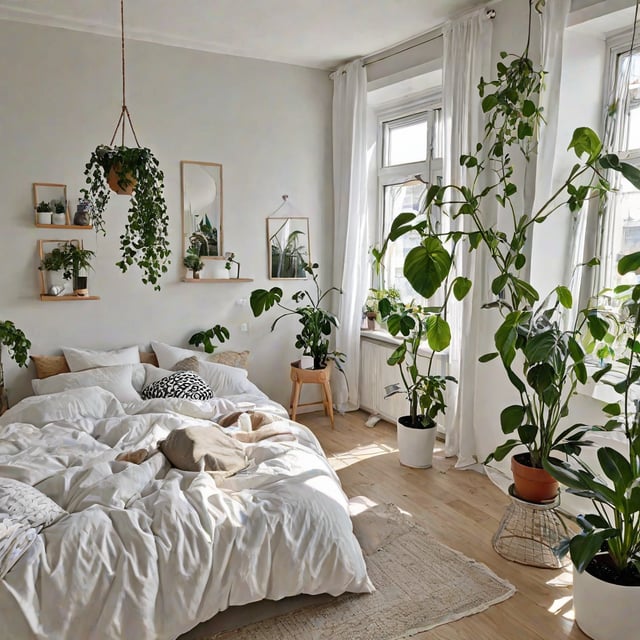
407, 143
626, 227
631, 134
400, 198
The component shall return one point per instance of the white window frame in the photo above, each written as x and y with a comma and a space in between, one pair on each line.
429, 169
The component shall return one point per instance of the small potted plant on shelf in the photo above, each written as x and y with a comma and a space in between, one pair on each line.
317, 323
18, 346
135, 172
206, 337
606, 552
59, 214
193, 262
77, 265
43, 212
55, 263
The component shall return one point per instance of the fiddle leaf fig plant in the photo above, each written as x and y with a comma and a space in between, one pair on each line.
145, 239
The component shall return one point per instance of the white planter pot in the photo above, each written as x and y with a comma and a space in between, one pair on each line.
416, 446
218, 269
58, 218
605, 611
55, 279
43, 217
306, 362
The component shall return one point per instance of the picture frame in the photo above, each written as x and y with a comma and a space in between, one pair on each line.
288, 250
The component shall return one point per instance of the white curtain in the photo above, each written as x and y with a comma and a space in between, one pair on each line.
467, 57
350, 263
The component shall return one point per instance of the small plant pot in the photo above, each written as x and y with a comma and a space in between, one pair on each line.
58, 218
196, 275
43, 217
415, 445
57, 285
112, 180
532, 484
80, 286
605, 611
306, 362
371, 321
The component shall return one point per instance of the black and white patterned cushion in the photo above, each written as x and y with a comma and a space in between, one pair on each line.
182, 384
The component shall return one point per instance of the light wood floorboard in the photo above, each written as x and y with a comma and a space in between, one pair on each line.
463, 510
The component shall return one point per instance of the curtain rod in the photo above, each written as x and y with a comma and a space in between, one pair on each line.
491, 14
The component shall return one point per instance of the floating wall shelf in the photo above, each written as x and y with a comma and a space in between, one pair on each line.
197, 280
46, 298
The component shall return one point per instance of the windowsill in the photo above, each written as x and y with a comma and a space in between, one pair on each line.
604, 392
384, 337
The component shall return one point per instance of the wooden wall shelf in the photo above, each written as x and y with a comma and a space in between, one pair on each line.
63, 226
198, 280
47, 298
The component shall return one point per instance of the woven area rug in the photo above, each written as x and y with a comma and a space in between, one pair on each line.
420, 584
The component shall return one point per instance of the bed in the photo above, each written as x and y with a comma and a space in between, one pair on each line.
147, 550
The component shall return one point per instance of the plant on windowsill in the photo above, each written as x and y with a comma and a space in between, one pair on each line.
206, 337
371, 305
18, 347
317, 323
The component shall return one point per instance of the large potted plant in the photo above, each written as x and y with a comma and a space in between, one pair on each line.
417, 325
18, 347
606, 552
132, 171
317, 323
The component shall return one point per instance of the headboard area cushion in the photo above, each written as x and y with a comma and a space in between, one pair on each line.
47, 366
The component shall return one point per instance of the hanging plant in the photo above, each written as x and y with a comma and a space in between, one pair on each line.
144, 241
131, 171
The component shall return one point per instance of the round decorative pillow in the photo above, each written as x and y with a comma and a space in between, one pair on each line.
181, 384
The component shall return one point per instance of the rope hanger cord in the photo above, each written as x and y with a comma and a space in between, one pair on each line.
286, 203
125, 110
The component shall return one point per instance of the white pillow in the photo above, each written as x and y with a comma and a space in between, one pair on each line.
81, 359
117, 380
169, 356
153, 374
226, 380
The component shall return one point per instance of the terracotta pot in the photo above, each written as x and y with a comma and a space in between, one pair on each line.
605, 611
112, 180
532, 484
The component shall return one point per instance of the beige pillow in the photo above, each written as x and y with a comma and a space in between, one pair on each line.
188, 364
47, 366
204, 449
239, 359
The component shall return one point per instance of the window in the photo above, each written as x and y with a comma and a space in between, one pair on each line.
621, 231
409, 160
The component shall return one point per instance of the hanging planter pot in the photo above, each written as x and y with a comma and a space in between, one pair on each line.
131, 171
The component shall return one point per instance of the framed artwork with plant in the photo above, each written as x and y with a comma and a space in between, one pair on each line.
288, 247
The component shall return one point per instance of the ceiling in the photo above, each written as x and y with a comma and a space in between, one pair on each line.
311, 33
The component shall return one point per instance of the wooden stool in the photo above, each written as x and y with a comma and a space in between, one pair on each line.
311, 376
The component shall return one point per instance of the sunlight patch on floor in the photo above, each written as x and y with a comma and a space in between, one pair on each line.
359, 454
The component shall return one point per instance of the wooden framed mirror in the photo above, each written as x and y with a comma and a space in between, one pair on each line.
288, 248
201, 187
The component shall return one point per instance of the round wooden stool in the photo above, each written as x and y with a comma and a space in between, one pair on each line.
311, 376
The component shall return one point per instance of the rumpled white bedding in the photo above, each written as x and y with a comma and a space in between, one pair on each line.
149, 551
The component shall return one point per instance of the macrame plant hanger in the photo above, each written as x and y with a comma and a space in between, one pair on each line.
125, 116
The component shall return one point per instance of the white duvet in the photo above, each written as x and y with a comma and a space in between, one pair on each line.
149, 551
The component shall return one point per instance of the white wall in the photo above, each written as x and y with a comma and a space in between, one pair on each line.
268, 124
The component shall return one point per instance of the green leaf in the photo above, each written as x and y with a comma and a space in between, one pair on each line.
597, 326
520, 261
499, 283
427, 266
262, 300
504, 449
585, 546
461, 286
631, 173
629, 263
528, 108
487, 357
398, 355
564, 297
616, 467
439, 334
585, 140
612, 409
489, 102
511, 418
527, 433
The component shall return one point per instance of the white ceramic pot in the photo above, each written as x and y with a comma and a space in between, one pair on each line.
416, 446
58, 218
306, 362
218, 269
44, 217
605, 611
56, 279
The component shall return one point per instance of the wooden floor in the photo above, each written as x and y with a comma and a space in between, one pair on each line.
463, 510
